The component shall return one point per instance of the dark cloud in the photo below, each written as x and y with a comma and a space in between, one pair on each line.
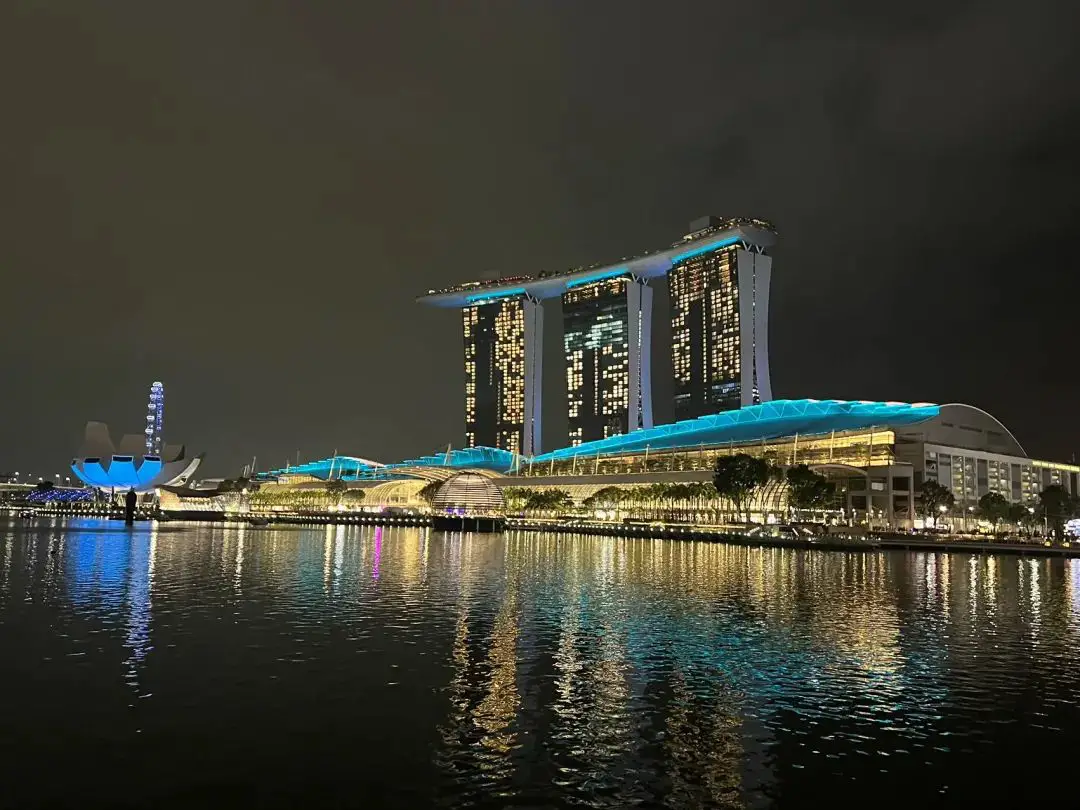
243, 199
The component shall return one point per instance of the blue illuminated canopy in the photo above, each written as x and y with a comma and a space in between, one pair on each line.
468, 458
770, 420
349, 468
480, 298
654, 264
780, 418
679, 257
589, 278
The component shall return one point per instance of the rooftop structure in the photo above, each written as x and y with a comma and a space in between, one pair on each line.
438, 466
711, 234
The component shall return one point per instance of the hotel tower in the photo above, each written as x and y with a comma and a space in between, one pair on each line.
718, 276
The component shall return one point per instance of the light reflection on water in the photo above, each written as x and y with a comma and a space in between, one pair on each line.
405, 667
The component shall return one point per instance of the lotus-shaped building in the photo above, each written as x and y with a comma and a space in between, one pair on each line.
103, 465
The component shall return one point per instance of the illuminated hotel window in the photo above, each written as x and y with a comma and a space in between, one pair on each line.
706, 346
596, 336
494, 334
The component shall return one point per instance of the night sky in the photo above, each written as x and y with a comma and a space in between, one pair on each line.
243, 199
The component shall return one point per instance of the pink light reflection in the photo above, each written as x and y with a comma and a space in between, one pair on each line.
378, 553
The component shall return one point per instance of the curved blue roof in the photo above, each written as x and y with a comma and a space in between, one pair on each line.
468, 458
770, 420
351, 468
346, 467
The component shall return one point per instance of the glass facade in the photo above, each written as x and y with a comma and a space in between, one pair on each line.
495, 374
858, 448
706, 348
596, 335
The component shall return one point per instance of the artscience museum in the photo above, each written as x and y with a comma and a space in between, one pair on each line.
129, 466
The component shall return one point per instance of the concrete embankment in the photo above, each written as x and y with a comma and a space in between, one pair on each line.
637, 530
718, 535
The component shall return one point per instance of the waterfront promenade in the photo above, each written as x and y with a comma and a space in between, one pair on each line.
655, 530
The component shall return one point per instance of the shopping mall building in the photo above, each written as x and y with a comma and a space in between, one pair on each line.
878, 453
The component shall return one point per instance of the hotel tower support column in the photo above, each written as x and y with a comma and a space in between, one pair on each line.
639, 314
754, 274
534, 374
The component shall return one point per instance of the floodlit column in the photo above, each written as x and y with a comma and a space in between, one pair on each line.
755, 273
534, 366
639, 316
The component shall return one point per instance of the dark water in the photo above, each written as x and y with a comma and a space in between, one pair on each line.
345, 667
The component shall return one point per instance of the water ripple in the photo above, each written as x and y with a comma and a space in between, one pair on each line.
401, 667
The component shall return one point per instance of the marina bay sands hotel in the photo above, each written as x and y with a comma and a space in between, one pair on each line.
718, 281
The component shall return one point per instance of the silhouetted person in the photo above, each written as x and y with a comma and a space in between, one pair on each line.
129, 507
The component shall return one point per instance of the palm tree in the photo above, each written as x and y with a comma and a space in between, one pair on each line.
605, 498
335, 490
549, 500
634, 498
703, 500
516, 498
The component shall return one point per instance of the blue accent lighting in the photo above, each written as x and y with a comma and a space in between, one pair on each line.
92, 473
57, 495
778, 419
468, 458
481, 298
599, 276
770, 420
705, 249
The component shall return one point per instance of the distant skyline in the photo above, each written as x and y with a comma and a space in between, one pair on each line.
243, 200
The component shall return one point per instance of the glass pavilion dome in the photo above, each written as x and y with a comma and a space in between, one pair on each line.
469, 494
